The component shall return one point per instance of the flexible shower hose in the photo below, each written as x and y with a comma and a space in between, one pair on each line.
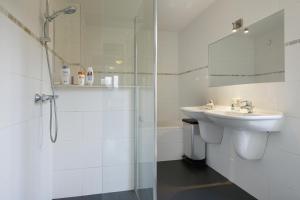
53, 106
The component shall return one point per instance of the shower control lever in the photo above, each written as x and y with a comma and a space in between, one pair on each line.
41, 98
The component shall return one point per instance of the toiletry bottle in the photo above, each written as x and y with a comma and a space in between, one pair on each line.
65, 75
81, 78
90, 76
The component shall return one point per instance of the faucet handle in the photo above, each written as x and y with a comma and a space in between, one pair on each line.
210, 105
248, 105
246, 102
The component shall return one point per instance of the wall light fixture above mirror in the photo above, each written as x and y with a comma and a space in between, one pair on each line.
253, 54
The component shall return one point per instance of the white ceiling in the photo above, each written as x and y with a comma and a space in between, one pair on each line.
174, 15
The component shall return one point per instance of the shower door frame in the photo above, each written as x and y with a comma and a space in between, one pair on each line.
136, 103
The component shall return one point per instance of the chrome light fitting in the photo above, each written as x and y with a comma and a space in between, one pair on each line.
238, 24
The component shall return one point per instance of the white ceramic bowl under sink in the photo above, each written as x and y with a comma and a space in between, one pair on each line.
251, 130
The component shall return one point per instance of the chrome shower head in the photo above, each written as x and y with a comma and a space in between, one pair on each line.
70, 10
67, 11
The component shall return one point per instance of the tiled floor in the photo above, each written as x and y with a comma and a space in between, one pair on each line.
130, 195
180, 181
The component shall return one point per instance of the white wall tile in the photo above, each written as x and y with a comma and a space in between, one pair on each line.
117, 152
167, 52
93, 125
292, 63
170, 134
168, 151
18, 99
21, 46
92, 181
92, 154
170, 143
288, 139
77, 100
119, 99
118, 178
292, 8
118, 124
168, 105
67, 183
68, 155
70, 126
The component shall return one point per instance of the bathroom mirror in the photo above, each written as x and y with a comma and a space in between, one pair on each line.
254, 54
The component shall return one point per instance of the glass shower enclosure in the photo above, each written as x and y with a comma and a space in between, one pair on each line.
118, 39
145, 100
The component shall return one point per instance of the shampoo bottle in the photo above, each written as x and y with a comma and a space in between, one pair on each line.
65, 75
90, 76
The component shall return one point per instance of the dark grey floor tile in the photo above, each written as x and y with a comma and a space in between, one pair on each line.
145, 194
179, 173
128, 195
226, 192
178, 180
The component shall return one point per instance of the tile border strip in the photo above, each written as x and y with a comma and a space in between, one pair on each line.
193, 70
160, 74
293, 42
132, 73
18, 23
27, 30
247, 75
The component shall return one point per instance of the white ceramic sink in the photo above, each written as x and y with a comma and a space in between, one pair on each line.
210, 132
195, 112
259, 120
250, 130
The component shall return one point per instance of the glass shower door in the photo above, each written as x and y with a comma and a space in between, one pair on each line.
145, 101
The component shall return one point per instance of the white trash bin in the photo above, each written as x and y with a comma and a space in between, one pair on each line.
194, 146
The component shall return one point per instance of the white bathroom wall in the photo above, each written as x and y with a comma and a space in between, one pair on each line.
276, 176
25, 148
169, 143
95, 149
170, 136
168, 106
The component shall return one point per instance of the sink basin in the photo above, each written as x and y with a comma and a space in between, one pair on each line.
196, 112
250, 130
210, 133
260, 120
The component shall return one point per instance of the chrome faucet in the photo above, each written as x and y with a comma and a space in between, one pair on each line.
210, 105
247, 105
41, 98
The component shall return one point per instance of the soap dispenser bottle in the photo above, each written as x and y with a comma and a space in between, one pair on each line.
65, 75
90, 76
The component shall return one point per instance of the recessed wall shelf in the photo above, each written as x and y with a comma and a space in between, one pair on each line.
60, 86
